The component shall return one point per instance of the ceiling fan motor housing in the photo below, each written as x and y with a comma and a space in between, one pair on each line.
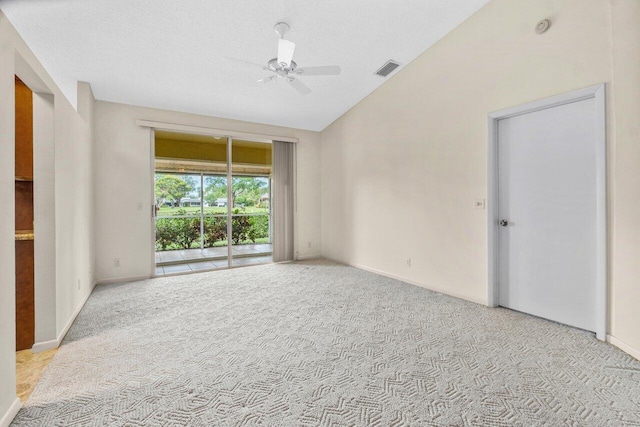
279, 69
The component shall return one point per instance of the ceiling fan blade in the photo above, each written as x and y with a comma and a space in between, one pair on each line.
266, 79
285, 52
243, 62
325, 70
299, 86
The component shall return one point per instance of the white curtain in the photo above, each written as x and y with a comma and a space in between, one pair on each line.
282, 200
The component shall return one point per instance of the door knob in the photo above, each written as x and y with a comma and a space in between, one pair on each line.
503, 222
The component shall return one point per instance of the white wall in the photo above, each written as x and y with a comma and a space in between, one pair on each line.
625, 245
74, 256
123, 179
401, 170
7, 225
44, 203
74, 210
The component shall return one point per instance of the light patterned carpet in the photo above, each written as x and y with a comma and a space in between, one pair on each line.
320, 344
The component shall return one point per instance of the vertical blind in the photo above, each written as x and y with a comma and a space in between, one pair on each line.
283, 202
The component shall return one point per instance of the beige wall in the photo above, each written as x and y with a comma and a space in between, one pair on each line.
72, 206
123, 179
401, 170
7, 225
625, 243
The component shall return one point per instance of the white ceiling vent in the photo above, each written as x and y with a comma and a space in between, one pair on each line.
387, 68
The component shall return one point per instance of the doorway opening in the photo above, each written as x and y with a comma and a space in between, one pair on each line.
207, 188
33, 125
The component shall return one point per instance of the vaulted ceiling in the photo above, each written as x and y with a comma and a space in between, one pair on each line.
170, 54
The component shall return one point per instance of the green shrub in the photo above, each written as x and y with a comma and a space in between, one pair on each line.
189, 231
215, 230
177, 233
242, 231
260, 226
166, 234
183, 233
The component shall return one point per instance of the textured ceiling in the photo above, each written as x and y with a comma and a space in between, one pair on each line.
169, 54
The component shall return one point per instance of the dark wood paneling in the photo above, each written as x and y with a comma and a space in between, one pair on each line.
25, 306
24, 130
24, 205
25, 313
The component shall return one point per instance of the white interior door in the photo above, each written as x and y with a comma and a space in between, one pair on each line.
547, 207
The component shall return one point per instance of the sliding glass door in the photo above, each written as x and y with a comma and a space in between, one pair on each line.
213, 203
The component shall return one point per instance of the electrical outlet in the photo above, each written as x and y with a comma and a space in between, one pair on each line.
408, 262
139, 206
309, 245
78, 284
116, 262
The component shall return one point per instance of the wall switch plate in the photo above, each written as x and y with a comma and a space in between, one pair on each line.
479, 203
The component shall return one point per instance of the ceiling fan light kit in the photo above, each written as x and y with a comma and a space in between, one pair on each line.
284, 67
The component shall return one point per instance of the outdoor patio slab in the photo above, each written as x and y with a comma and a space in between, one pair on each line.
170, 256
215, 251
211, 265
178, 268
238, 262
203, 265
193, 255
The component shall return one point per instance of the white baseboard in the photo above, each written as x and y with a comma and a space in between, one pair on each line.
623, 346
47, 345
66, 328
11, 413
122, 280
44, 346
306, 257
413, 282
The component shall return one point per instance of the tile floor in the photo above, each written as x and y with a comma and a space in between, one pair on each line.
210, 265
184, 261
210, 254
29, 369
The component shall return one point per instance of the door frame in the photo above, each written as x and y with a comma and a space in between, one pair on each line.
598, 93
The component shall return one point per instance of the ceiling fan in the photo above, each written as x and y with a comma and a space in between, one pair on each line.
284, 67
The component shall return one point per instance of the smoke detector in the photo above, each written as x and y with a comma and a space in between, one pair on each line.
543, 26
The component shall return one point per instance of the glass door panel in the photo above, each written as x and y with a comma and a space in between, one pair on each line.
178, 205
215, 220
188, 172
250, 196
